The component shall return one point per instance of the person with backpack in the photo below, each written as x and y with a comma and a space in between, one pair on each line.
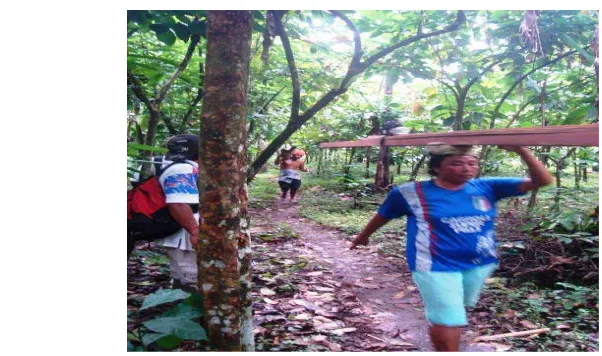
164, 208
179, 183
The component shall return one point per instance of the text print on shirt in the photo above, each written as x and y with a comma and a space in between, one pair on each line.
468, 224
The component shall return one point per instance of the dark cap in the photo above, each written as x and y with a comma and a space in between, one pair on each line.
185, 146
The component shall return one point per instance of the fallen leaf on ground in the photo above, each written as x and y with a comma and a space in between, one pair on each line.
269, 301
399, 295
529, 325
321, 319
318, 338
267, 291
390, 277
366, 285
509, 314
332, 346
327, 326
314, 274
341, 332
303, 316
500, 347
325, 313
400, 343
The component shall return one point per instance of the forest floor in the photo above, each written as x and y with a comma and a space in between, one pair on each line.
311, 293
333, 299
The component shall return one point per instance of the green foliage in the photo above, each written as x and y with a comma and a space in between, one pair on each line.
168, 330
163, 296
135, 148
566, 307
168, 25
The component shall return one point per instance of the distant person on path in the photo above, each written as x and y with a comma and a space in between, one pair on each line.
290, 161
451, 246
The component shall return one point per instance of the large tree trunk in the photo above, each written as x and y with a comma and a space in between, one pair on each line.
224, 253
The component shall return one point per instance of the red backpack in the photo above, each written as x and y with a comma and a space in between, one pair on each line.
148, 217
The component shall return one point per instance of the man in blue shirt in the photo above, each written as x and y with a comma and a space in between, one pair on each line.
451, 246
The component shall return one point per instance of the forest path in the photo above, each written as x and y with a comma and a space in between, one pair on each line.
382, 286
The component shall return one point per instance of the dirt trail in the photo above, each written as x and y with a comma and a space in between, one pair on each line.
383, 286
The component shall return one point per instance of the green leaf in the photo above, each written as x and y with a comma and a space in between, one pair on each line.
167, 37
195, 301
183, 311
576, 117
159, 28
415, 124
181, 31
130, 346
149, 338
258, 27
198, 28
139, 147
182, 328
258, 15
573, 44
132, 336
163, 296
449, 121
169, 342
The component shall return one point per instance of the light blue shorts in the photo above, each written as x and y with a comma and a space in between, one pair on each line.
445, 294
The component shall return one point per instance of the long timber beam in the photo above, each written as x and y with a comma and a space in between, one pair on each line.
560, 135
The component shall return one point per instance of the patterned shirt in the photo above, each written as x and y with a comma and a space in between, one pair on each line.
449, 230
179, 183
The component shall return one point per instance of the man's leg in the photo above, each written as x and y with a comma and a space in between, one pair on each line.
295, 185
446, 338
183, 267
284, 187
474, 280
443, 297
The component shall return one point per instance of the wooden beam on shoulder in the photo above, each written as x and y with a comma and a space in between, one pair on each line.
560, 135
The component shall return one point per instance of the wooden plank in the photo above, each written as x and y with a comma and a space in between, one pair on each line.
560, 135
565, 135
365, 142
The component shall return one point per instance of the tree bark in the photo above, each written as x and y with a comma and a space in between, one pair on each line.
367, 174
381, 179
414, 173
224, 253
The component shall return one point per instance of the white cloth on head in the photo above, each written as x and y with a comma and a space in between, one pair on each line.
440, 149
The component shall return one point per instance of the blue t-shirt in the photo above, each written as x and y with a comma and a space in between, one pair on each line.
449, 230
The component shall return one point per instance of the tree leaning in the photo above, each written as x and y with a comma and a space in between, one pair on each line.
224, 253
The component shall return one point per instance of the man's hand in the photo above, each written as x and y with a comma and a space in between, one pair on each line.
194, 238
183, 215
360, 240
